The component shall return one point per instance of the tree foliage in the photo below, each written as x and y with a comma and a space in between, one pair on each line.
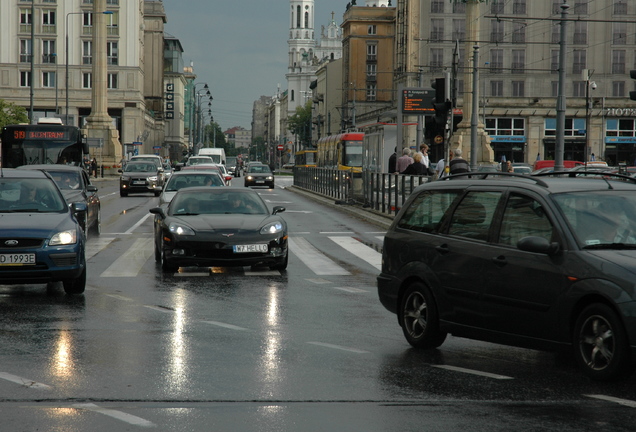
299, 124
10, 113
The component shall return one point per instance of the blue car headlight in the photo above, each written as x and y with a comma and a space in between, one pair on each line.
272, 228
180, 229
64, 238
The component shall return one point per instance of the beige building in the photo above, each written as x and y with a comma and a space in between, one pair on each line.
134, 64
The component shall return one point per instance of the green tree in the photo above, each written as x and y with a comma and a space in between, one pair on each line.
300, 124
10, 113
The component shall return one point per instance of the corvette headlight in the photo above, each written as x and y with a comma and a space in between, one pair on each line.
64, 238
272, 228
179, 229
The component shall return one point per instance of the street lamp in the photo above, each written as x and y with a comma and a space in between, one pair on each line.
67, 49
588, 84
192, 123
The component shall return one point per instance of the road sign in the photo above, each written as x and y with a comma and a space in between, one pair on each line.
280, 147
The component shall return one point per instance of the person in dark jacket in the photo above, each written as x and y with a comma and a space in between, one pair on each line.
393, 161
417, 167
94, 167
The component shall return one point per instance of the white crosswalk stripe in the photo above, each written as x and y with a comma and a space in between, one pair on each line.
130, 262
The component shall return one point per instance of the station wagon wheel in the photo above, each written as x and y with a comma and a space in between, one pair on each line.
419, 318
600, 342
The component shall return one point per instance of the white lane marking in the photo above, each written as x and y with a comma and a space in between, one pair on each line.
381, 238
473, 372
360, 250
625, 402
23, 381
314, 259
160, 309
135, 226
224, 325
129, 264
351, 290
95, 246
119, 297
339, 347
336, 232
122, 416
262, 273
300, 233
298, 211
318, 281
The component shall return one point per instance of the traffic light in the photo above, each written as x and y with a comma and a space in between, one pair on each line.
632, 75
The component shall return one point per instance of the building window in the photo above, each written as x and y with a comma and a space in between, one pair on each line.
519, 32
496, 61
497, 6
87, 23
620, 7
25, 50
112, 26
459, 29
496, 31
372, 29
372, 70
437, 30
298, 15
496, 88
518, 89
554, 61
25, 78
618, 61
519, 7
459, 8
580, 61
619, 33
112, 53
556, 33
580, 7
578, 88
48, 79
506, 126
87, 52
48, 51
25, 20
306, 19
112, 81
437, 59
372, 52
87, 80
580, 33
437, 6
48, 21
518, 61
618, 88
371, 92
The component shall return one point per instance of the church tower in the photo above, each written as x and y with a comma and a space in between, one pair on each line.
302, 44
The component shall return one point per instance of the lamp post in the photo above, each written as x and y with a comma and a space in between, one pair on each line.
192, 123
198, 123
67, 49
588, 84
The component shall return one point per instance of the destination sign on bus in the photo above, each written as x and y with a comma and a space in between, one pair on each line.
26, 134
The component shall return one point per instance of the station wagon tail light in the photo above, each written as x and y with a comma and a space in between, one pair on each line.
64, 238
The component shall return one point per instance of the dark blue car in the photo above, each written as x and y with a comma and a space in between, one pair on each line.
41, 240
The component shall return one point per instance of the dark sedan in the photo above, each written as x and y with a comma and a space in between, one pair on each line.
75, 184
259, 175
41, 240
222, 227
140, 177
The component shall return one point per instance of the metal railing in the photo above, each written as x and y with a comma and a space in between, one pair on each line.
381, 192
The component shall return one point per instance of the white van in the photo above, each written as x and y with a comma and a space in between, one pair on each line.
217, 154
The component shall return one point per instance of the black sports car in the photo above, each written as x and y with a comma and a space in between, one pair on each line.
219, 227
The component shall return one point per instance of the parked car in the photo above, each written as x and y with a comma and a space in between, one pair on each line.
140, 177
542, 262
189, 178
41, 240
75, 184
222, 226
259, 175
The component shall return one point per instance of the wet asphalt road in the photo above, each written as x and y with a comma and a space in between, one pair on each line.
309, 349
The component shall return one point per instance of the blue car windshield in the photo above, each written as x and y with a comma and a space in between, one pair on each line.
30, 195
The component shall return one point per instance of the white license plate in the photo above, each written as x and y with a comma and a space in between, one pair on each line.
260, 181
250, 248
139, 182
17, 259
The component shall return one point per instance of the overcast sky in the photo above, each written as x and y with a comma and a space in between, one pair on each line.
239, 47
